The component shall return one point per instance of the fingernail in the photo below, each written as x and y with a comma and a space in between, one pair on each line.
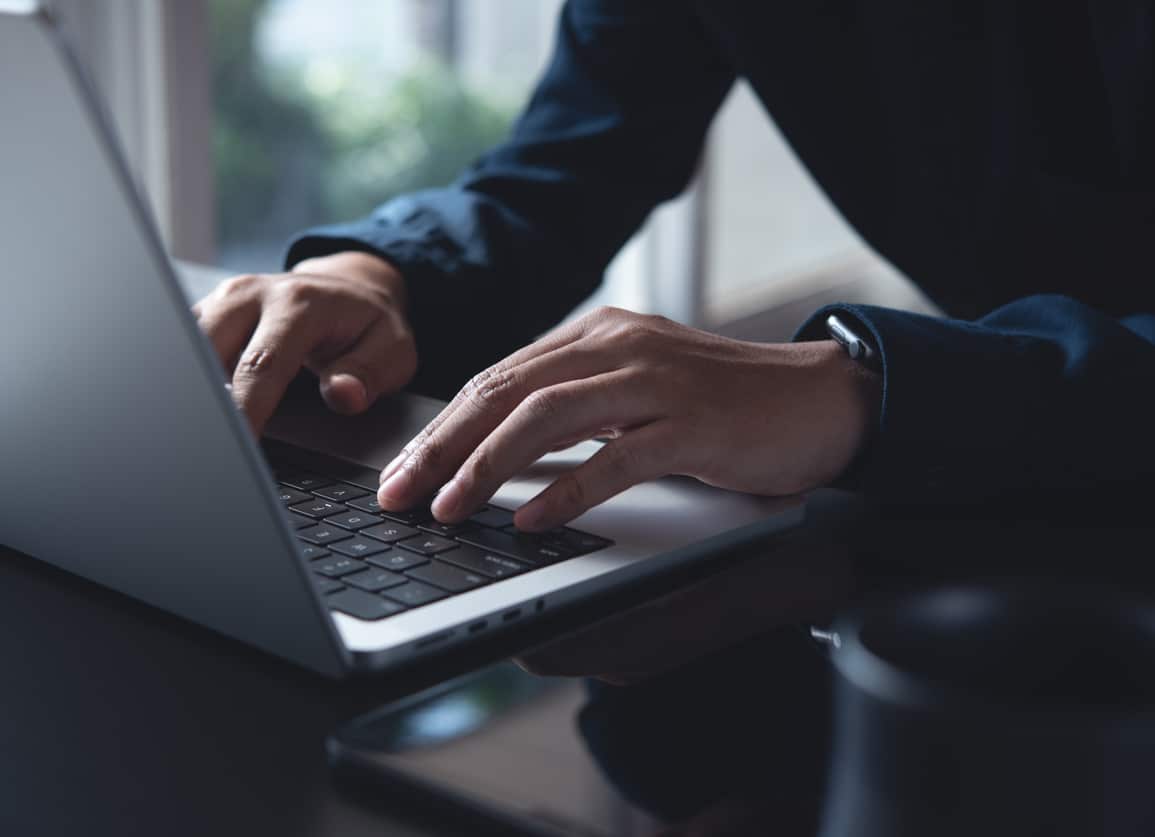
447, 499
394, 488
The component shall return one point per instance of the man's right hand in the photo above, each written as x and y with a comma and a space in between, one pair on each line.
341, 316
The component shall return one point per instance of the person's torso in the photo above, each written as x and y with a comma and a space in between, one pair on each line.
991, 150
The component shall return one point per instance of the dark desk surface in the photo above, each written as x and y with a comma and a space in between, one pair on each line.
118, 719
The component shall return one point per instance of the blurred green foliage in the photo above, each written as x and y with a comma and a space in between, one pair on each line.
290, 154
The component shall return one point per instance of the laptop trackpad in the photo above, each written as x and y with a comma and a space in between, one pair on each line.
371, 439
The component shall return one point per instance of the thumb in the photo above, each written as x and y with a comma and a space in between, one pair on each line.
381, 362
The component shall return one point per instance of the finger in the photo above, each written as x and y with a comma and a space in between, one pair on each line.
640, 455
381, 361
228, 320
485, 381
271, 360
602, 434
533, 429
433, 457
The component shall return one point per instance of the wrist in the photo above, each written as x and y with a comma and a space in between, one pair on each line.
356, 264
856, 393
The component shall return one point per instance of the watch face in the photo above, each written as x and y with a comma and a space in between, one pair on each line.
855, 346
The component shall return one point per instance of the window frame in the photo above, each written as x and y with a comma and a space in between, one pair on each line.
150, 61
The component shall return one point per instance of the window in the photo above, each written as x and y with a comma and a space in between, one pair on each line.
324, 109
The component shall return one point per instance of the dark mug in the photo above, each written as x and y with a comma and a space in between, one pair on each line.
983, 712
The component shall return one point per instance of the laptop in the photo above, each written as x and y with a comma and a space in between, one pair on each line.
125, 460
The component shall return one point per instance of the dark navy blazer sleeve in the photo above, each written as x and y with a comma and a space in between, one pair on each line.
1043, 399
615, 127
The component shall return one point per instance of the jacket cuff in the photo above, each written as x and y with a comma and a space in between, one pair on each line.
945, 427
408, 236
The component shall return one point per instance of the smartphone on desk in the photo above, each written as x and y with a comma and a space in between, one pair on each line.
499, 749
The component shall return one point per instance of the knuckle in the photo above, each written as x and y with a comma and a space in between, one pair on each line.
658, 322
427, 454
605, 317
240, 285
255, 361
480, 469
544, 405
476, 383
633, 334
299, 292
492, 387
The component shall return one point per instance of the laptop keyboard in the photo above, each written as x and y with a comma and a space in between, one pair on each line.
371, 564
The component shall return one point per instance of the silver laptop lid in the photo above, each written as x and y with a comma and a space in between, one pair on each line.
123, 458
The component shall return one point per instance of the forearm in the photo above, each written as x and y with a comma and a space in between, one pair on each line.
614, 128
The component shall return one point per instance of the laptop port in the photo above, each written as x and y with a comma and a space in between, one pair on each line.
432, 640
477, 626
510, 615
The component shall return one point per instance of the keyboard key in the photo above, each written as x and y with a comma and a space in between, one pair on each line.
494, 517
340, 492
303, 480
337, 566
390, 532
368, 503
328, 585
290, 496
312, 553
363, 605
575, 542
318, 508
524, 547
486, 563
446, 530
354, 520
397, 560
427, 544
373, 579
299, 521
359, 547
447, 577
413, 517
323, 534
414, 593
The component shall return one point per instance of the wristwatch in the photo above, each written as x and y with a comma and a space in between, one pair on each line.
859, 348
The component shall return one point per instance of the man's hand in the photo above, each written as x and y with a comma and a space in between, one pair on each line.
771, 419
342, 316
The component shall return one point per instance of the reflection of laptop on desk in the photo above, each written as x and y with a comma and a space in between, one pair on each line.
126, 462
